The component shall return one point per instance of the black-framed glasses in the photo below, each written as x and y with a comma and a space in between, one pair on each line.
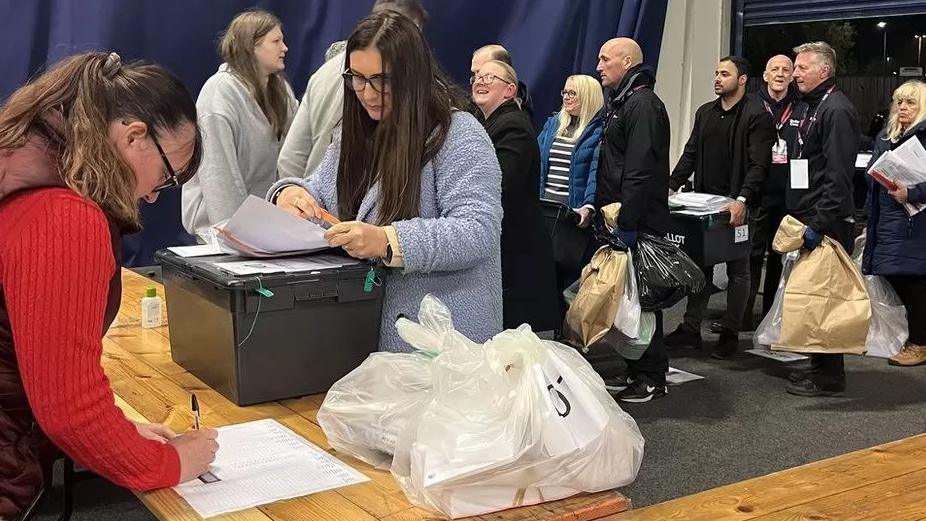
486, 79
172, 179
568, 93
357, 82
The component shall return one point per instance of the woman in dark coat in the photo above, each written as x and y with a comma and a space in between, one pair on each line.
528, 276
895, 245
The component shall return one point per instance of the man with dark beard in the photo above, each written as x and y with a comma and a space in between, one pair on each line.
728, 153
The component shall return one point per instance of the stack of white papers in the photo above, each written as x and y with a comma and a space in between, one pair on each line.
695, 203
905, 165
261, 229
262, 462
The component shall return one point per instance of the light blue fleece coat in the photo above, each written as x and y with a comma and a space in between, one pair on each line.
452, 250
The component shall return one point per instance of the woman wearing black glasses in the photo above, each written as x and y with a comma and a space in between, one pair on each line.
413, 180
568, 171
79, 146
245, 110
528, 277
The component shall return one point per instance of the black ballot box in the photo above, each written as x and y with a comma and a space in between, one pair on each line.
263, 337
709, 239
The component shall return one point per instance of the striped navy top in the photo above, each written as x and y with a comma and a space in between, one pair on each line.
557, 185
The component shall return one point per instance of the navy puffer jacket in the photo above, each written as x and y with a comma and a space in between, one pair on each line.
895, 243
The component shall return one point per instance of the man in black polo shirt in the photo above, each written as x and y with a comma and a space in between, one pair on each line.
819, 192
783, 102
728, 153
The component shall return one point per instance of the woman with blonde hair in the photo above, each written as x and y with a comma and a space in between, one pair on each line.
895, 245
528, 288
245, 110
568, 167
79, 146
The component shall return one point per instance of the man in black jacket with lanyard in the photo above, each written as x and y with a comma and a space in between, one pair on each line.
633, 169
729, 153
783, 102
819, 192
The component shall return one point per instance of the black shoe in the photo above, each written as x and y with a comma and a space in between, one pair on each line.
746, 325
641, 390
618, 383
727, 345
684, 336
807, 387
797, 375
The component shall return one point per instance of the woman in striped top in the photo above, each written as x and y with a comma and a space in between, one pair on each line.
568, 166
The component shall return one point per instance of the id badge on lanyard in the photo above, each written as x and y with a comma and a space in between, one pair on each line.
780, 147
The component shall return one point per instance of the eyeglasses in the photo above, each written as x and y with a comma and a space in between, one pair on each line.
357, 82
486, 79
172, 179
568, 93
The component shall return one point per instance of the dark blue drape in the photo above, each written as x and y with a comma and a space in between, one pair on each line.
548, 40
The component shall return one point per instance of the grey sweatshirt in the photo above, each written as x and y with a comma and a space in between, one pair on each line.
239, 152
318, 115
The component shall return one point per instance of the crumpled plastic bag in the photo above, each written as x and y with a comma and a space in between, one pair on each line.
513, 422
665, 274
889, 329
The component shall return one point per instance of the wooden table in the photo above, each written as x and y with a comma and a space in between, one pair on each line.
150, 386
882, 483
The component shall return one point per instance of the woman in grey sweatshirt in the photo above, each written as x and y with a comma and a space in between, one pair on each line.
415, 182
244, 111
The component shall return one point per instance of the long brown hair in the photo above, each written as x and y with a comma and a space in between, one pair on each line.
236, 49
392, 151
72, 105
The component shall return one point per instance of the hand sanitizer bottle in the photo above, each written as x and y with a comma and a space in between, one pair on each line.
151, 309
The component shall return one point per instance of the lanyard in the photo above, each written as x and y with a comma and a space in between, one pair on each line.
785, 114
813, 119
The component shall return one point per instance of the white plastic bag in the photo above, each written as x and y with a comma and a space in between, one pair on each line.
720, 279
627, 320
769, 330
889, 330
513, 422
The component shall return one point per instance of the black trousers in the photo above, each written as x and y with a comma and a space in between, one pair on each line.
829, 371
767, 219
912, 292
737, 293
654, 364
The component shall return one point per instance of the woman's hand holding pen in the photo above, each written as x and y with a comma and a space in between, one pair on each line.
197, 450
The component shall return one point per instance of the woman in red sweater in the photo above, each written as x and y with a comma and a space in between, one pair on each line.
79, 146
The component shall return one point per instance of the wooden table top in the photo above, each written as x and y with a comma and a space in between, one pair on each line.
149, 386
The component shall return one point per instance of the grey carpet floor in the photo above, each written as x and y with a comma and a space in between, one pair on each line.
735, 424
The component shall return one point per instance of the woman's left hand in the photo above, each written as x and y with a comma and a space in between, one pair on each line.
155, 431
899, 195
360, 240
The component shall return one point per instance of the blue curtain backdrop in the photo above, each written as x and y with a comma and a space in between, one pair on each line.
548, 40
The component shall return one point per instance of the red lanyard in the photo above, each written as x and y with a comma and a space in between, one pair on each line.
785, 114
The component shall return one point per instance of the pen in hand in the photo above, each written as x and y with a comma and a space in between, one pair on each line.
194, 404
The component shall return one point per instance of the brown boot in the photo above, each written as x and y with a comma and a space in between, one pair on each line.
910, 355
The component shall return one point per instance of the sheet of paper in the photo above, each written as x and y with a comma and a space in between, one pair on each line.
314, 263
905, 165
677, 376
862, 160
262, 462
260, 229
800, 174
200, 250
780, 356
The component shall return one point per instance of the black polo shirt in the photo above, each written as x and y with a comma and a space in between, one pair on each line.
717, 143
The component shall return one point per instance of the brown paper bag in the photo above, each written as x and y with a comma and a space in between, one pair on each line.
592, 312
601, 288
826, 305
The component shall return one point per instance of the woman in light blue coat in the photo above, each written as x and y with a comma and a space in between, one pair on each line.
415, 182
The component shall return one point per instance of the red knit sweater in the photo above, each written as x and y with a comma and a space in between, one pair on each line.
56, 261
